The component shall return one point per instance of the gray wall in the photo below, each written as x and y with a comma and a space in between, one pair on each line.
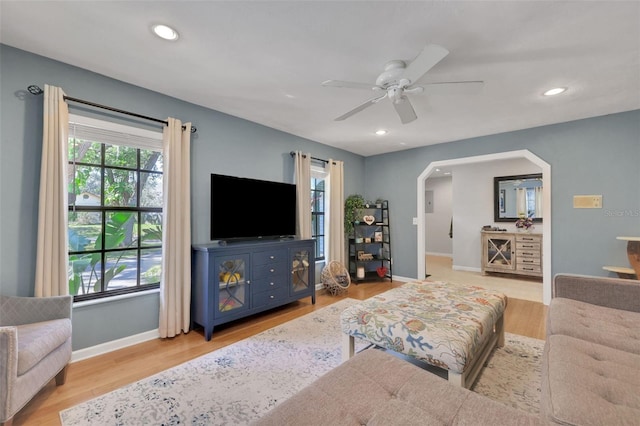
593, 156
224, 144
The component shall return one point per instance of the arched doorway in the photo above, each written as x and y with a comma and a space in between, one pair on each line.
546, 208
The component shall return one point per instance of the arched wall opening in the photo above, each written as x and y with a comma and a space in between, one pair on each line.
546, 207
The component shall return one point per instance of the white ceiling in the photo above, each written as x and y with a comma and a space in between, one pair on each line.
264, 60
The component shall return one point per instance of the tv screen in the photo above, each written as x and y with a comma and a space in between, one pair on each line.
243, 208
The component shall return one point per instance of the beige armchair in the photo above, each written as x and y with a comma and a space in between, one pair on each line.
35, 347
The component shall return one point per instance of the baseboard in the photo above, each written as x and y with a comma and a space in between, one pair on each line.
466, 268
113, 345
431, 253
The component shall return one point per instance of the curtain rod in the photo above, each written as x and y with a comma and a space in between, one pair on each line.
292, 153
35, 90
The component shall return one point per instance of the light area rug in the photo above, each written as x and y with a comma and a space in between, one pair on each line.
241, 382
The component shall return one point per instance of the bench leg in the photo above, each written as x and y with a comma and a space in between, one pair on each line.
456, 379
500, 331
348, 346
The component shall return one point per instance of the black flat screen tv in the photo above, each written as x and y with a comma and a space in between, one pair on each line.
245, 209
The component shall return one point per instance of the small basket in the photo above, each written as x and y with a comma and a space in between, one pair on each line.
335, 278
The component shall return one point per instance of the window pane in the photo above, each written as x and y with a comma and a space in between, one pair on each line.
151, 229
84, 229
81, 151
119, 188
151, 190
121, 230
150, 266
319, 247
120, 156
320, 220
84, 273
84, 189
150, 160
121, 269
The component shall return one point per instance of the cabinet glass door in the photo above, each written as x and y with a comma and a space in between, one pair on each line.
300, 270
233, 281
500, 253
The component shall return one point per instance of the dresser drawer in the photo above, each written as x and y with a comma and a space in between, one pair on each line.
268, 297
533, 269
527, 253
528, 246
528, 261
268, 257
269, 283
270, 271
528, 238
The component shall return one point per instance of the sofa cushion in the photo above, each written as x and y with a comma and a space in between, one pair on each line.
376, 388
610, 327
37, 340
584, 383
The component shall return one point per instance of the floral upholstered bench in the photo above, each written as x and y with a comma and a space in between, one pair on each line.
446, 325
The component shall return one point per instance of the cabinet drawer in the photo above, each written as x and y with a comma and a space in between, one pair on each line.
528, 246
528, 261
268, 257
264, 298
527, 238
527, 253
529, 268
269, 271
269, 283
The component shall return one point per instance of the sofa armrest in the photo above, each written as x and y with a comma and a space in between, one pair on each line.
603, 291
8, 367
27, 310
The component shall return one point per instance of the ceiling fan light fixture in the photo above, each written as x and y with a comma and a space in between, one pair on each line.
165, 32
555, 91
381, 132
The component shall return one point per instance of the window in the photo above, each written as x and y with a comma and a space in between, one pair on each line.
115, 208
318, 204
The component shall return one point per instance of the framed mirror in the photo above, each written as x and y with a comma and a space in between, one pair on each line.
517, 196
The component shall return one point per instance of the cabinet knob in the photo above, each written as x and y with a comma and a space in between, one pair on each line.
248, 282
272, 257
271, 284
271, 270
272, 297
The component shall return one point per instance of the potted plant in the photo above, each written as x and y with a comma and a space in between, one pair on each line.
352, 209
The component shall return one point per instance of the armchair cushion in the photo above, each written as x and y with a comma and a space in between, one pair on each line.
36, 341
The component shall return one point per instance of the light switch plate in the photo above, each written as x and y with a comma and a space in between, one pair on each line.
415, 220
587, 201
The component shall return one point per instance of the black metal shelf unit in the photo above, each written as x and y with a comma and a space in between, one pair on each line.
370, 245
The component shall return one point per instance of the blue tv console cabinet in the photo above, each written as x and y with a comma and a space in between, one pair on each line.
239, 279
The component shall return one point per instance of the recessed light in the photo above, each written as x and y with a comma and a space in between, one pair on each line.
381, 132
165, 32
555, 91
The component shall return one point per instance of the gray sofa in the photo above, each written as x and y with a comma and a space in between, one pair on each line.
591, 373
35, 347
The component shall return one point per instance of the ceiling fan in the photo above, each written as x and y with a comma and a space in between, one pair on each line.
398, 79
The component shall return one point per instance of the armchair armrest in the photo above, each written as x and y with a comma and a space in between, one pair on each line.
16, 310
603, 291
9, 369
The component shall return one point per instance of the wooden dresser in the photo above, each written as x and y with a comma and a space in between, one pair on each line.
512, 253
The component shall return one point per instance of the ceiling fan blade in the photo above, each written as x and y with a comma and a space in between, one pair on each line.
405, 110
453, 87
360, 107
349, 84
430, 55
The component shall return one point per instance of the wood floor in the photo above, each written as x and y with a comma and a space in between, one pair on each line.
101, 374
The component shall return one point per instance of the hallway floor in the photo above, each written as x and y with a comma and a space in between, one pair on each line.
440, 268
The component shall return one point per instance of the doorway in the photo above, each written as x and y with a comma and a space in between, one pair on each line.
546, 196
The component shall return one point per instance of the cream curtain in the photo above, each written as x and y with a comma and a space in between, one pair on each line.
303, 194
538, 202
175, 283
336, 242
52, 257
521, 202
